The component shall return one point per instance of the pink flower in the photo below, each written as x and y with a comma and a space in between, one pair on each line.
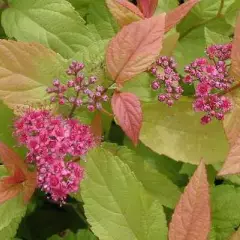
86, 93
221, 51
166, 81
50, 139
203, 89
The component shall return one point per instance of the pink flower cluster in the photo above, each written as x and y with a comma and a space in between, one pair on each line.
167, 80
52, 142
211, 77
221, 52
86, 93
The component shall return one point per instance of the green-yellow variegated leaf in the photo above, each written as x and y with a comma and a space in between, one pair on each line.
53, 23
178, 133
116, 204
26, 70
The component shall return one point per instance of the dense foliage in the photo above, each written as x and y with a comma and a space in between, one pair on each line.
120, 120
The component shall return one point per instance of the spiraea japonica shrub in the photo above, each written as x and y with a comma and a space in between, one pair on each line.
120, 119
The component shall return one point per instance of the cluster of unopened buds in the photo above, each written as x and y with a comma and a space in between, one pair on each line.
167, 80
211, 76
86, 92
54, 144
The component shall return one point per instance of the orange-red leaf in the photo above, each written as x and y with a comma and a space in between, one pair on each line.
124, 11
176, 15
29, 186
191, 218
96, 127
8, 191
232, 163
147, 7
135, 48
127, 109
21, 180
231, 121
235, 68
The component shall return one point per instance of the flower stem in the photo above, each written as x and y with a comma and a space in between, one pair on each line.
103, 110
74, 106
106, 112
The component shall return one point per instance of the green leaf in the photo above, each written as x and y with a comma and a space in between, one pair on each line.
204, 10
225, 216
116, 204
93, 57
161, 163
166, 6
192, 34
231, 13
6, 134
155, 183
52, 23
7, 117
11, 213
194, 38
99, 15
3, 171
141, 87
83, 234
189, 170
231, 178
178, 133
215, 38
81, 6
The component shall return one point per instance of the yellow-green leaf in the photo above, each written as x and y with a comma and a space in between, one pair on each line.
26, 69
178, 133
116, 204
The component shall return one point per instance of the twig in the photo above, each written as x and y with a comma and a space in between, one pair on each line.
219, 14
106, 112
